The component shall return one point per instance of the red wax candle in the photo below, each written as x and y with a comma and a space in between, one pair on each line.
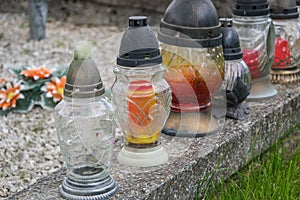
251, 59
282, 56
140, 102
190, 92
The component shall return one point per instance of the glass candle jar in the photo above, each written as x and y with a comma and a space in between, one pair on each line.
285, 17
85, 130
191, 46
141, 96
194, 75
256, 32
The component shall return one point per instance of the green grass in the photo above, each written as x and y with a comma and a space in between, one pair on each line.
275, 175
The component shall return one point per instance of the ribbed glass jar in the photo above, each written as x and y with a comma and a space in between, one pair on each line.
142, 99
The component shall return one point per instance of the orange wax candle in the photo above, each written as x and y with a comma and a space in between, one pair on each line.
142, 111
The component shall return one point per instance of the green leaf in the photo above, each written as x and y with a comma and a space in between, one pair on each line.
17, 70
24, 105
47, 103
5, 112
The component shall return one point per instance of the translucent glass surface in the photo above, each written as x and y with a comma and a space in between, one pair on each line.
287, 43
236, 69
194, 75
85, 133
257, 43
142, 99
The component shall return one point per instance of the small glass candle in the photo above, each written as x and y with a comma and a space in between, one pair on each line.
141, 95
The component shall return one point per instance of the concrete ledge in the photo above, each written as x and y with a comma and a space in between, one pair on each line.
228, 151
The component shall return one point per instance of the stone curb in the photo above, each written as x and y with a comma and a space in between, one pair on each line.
222, 154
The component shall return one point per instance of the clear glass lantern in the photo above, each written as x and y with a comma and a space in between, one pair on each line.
285, 17
85, 130
141, 96
237, 75
256, 32
191, 46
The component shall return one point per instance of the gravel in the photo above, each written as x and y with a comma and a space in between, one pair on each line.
28, 145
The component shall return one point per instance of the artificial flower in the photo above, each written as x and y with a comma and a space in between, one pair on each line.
10, 94
3, 81
55, 88
36, 73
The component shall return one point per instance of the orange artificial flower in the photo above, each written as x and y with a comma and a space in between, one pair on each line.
10, 95
36, 73
3, 81
55, 88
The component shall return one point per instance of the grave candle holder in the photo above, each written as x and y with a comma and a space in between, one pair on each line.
256, 32
285, 17
141, 96
84, 121
191, 45
237, 75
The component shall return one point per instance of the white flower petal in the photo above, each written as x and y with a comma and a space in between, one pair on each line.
44, 88
49, 95
55, 100
21, 96
16, 92
35, 77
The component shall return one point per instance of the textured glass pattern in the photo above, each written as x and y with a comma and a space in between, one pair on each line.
194, 75
287, 44
142, 99
257, 43
85, 134
236, 69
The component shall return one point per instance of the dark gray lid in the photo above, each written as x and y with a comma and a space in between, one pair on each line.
283, 9
231, 42
190, 23
83, 77
139, 46
251, 8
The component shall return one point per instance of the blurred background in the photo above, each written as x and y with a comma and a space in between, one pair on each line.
105, 12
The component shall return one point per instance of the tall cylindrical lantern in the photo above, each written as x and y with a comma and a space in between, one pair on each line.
191, 45
256, 31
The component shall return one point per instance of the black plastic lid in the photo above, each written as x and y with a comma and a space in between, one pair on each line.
283, 9
190, 23
139, 46
251, 8
231, 43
